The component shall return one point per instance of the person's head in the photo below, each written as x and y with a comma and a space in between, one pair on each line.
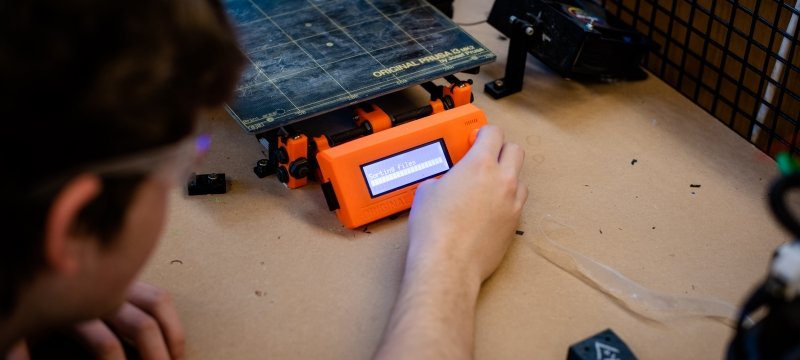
98, 98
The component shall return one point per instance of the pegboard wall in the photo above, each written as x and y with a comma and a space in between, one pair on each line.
738, 60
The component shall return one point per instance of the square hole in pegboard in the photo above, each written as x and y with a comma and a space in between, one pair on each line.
747, 101
671, 74
693, 66
733, 67
764, 34
790, 104
710, 77
714, 55
767, 9
723, 110
659, 39
758, 59
646, 10
683, 10
742, 124
697, 42
642, 27
700, 20
785, 126
723, 10
679, 31
705, 99
728, 89
718, 31
688, 86
752, 81
675, 53
626, 17
742, 21
738, 45
705, 4
654, 62
662, 20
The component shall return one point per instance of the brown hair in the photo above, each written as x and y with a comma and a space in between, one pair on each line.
88, 80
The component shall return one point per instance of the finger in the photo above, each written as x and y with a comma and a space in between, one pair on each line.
158, 303
141, 328
512, 157
489, 141
100, 340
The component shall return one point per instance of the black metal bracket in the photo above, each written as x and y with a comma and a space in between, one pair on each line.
522, 32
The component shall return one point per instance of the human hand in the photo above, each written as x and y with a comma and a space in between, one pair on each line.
147, 319
465, 219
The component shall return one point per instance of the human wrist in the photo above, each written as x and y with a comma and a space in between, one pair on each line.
442, 267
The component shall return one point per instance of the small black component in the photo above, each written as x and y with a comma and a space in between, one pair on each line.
576, 38
282, 174
299, 168
351, 134
603, 345
203, 184
695, 185
410, 115
330, 196
262, 168
282, 155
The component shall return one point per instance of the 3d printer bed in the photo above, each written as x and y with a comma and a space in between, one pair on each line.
310, 57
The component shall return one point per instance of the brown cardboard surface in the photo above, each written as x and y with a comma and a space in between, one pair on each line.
267, 272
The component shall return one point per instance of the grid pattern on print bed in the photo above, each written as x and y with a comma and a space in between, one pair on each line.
738, 60
308, 57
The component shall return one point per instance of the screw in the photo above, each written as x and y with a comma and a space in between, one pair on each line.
262, 162
529, 31
212, 176
498, 83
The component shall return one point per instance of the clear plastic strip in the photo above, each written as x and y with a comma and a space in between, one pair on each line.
630, 295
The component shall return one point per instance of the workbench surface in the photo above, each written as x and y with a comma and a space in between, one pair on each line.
267, 272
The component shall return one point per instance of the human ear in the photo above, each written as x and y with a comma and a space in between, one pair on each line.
61, 250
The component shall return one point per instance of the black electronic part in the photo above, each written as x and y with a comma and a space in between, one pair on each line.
436, 91
575, 38
330, 196
411, 115
282, 155
603, 345
283, 174
269, 140
299, 168
262, 169
520, 32
769, 320
204, 184
351, 134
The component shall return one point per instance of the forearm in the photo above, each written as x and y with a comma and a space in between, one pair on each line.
434, 315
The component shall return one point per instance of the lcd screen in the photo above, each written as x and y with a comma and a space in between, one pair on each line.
406, 168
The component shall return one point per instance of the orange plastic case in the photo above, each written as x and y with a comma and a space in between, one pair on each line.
341, 166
